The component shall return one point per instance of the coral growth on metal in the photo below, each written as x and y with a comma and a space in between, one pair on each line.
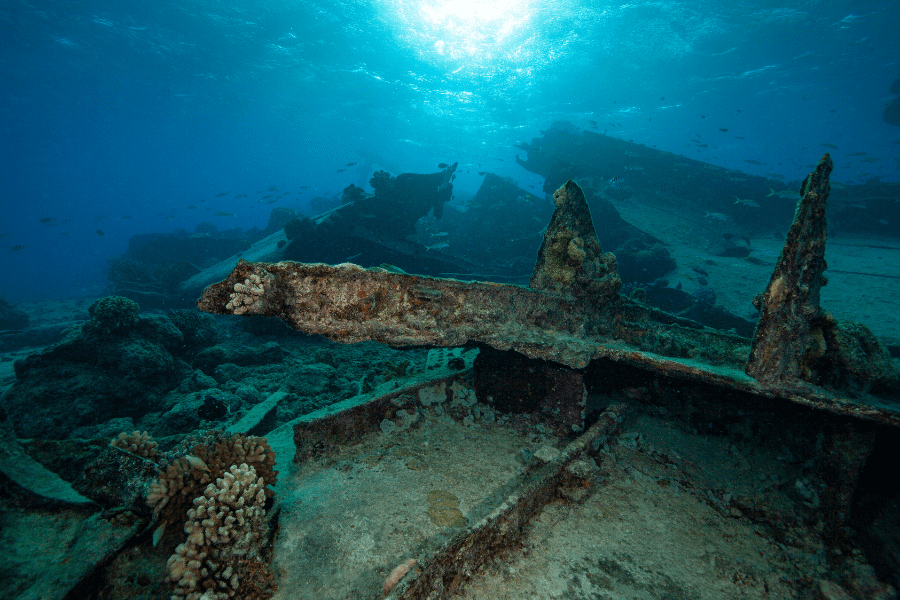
571, 315
790, 329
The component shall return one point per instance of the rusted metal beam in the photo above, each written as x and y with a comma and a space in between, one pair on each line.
575, 317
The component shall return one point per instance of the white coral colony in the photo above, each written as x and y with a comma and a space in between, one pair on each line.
250, 295
225, 528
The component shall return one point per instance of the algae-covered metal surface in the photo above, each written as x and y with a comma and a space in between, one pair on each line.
576, 315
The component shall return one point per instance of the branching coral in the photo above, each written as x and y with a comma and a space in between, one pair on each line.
250, 296
138, 442
113, 314
226, 528
187, 475
224, 521
176, 486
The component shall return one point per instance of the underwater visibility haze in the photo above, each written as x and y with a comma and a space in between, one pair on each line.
119, 117
459, 299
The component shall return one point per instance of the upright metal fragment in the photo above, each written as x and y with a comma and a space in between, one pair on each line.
789, 337
570, 258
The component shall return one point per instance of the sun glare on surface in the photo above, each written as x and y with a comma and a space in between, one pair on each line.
449, 32
469, 10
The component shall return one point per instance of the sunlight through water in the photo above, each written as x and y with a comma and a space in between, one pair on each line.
460, 34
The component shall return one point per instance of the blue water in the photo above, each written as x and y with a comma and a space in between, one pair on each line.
118, 116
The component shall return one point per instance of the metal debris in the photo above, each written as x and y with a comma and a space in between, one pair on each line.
575, 317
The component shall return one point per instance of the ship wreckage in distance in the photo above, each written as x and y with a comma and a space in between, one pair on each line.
575, 354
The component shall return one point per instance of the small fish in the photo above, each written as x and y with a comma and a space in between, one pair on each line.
746, 202
723, 130
592, 122
341, 170
200, 235
870, 159
271, 201
46, 220
775, 175
242, 196
832, 146
616, 181
738, 137
857, 154
443, 165
782, 193
17, 248
884, 221
632, 154
440, 246
220, 194
100, 232
266, 197
127, 216
350, 164
750, 161
482, 172
223, 213
440, 234
192, 207
273, 189
392, 268
304, 187
699, 271
717, 216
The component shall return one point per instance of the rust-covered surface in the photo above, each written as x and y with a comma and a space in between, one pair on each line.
577, 315
328, 433
349, 304
448, 570
570, 258
789, 337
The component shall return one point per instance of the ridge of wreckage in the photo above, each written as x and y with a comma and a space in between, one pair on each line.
573, 314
